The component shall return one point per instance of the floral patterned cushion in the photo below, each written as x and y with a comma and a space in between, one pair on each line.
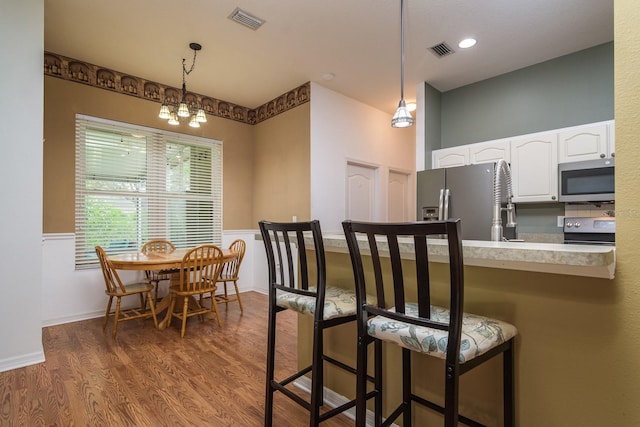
479, 334
338, 302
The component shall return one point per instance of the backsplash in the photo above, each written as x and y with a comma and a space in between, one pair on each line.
589, 210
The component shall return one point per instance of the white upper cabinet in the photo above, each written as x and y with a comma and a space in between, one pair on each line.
534, 166
450, 157
584, 143
534, 158
490, 151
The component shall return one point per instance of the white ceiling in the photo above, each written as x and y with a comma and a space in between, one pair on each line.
301, 40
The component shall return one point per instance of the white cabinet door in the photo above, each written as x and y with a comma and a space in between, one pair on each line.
449, 157
490, 152
583, 143
534, 166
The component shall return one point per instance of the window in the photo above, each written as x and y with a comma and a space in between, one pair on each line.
134, 184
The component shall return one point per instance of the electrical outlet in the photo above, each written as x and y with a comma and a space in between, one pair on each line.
560, 221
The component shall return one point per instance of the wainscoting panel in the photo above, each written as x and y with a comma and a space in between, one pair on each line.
70, 295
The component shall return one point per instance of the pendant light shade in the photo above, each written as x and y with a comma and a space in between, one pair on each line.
201, 117
402, 118
173, 119
183, 110
193, 122
164, 112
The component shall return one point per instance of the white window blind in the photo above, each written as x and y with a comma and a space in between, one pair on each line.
134, 184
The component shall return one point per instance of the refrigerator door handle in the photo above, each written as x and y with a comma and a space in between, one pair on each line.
447, 196
441, 205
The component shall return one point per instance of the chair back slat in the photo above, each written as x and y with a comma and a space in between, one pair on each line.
396, 269
158, 246
200, 268
230, 269
389, 240
377, 269
422, 276
111, 279
286, 249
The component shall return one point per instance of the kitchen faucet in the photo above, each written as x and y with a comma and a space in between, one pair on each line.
502, 170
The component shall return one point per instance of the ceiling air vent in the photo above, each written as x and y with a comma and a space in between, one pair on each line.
441, 49
242, 17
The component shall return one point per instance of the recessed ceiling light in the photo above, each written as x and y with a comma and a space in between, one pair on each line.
411, 106
328, 76
467, 43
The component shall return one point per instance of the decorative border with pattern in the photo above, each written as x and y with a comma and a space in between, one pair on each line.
103, 78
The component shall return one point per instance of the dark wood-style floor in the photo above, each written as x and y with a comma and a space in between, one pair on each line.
214, 376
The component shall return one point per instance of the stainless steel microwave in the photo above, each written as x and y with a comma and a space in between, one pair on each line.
587, 181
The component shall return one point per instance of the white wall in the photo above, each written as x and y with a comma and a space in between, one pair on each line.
342, 130
21, 109
61, 279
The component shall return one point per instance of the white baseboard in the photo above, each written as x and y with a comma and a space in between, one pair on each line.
21, 361
333, 400
73, 318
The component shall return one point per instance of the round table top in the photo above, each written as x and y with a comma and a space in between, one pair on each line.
155, 260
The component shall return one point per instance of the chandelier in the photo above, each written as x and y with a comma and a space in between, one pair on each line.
174, 109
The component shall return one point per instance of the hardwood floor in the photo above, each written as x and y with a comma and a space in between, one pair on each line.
213, 376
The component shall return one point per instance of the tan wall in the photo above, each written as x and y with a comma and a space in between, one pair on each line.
63, 99
622, 361
281, 176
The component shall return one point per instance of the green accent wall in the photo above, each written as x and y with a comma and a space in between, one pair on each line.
567, 91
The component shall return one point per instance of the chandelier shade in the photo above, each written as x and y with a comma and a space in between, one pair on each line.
402, 118
175, 110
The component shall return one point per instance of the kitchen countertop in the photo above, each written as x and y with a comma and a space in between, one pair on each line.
576, 260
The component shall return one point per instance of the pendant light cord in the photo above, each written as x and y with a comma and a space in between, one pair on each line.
401, 49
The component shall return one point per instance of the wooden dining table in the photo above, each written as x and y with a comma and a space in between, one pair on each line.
156, 261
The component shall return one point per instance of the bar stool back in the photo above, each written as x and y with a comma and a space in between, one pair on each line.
286, 246
403, 314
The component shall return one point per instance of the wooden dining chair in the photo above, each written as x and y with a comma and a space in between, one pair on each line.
402, 313
155, 277
116, 289
199, 272
229, 273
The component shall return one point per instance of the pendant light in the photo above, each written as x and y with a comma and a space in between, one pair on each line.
402, 118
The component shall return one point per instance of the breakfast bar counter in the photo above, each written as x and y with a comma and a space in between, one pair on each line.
559, 296
571, 259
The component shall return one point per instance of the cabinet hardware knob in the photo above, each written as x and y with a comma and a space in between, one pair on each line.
601, 155
613, 154
553, 197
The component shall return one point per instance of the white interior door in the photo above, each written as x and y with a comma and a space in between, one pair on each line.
398, 197
361, 190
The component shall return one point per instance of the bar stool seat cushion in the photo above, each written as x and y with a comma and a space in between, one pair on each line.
479, 334
338, 302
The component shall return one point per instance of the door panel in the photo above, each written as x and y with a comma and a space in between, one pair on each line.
361, 186
398, 197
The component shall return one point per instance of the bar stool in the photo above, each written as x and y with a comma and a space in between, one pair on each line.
286, 245
463, 340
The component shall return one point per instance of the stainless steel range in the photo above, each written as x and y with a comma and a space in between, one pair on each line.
590, 230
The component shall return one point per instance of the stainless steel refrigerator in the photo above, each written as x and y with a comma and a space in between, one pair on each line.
464, 192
